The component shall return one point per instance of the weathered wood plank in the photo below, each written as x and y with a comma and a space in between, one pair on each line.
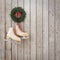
39, 29
26, 28
14, 43
57, 31
2, 29
45, 29
51, 30
8, 25
33, 29
20, 44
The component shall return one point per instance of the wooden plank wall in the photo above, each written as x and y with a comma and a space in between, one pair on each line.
42, 23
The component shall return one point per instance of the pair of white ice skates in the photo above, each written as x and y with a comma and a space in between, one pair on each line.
17, 35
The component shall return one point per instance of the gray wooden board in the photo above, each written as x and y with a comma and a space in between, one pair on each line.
45, 29
2, 30
57, 22
39, 29
33, 29
8, 25
51, 30
26, 29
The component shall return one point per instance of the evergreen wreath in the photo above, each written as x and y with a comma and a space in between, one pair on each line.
18, 14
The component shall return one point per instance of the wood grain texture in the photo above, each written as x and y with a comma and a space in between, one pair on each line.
2, 30
8, 25
57, 22
43, 25
33, 29
51, 30
26, 29
45, 29
39, 29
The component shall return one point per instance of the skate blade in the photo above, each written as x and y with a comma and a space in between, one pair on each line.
22, 37
8, 37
